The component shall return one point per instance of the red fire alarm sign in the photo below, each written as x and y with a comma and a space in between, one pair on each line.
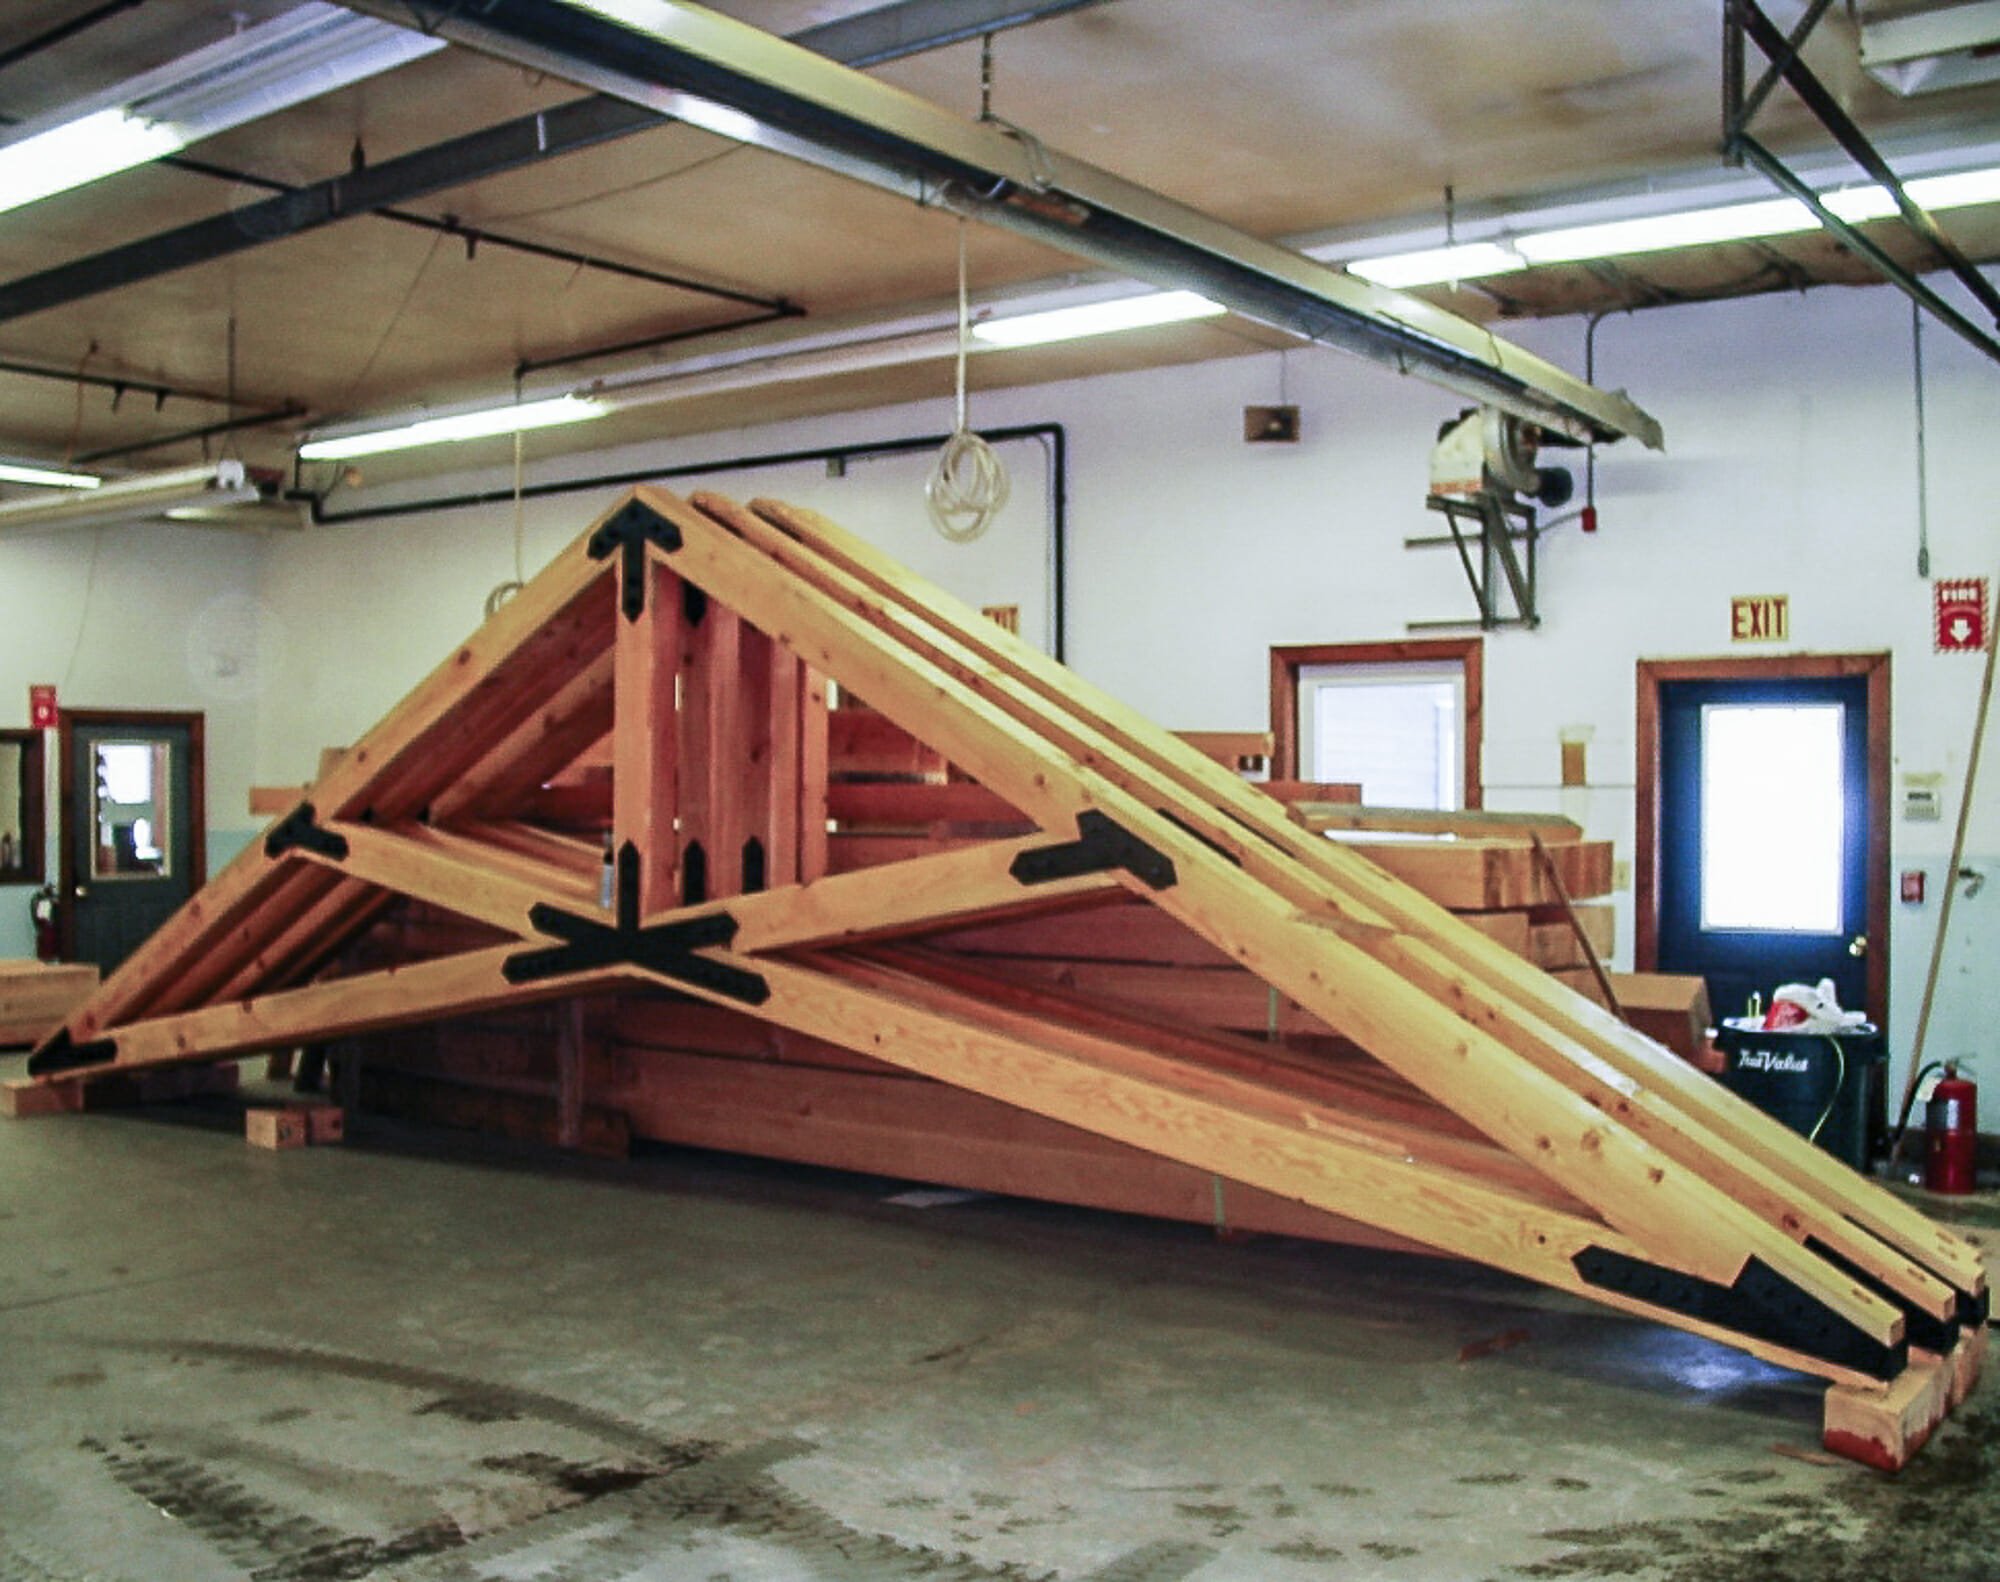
1913, 886
1961, 615
42, 707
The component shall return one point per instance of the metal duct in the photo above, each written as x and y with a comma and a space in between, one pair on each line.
733, 80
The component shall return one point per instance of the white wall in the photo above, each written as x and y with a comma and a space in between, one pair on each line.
1790, 469
136, 618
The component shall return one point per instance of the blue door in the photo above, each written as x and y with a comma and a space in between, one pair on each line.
1763, 835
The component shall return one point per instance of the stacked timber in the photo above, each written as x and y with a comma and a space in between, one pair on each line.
600, 863
36, 997
661, 1068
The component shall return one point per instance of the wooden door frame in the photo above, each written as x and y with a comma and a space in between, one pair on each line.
34, 823
1652, 673
1288, 660
67, 723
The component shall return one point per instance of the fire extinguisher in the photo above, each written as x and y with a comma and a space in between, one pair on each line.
42, 908
1951, 1123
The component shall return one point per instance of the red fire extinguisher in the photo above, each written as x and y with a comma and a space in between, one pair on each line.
42, 908
1952, 1124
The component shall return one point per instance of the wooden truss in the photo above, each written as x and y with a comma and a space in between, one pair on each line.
698, 637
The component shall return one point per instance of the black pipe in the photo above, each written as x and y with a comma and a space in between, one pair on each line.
63, 30
530, 365
1052, 433
206, 431
117, 384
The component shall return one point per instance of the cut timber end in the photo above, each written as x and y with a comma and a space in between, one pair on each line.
1967, 1358
1885, 1428
276, 1129
22, 1100
325, 1124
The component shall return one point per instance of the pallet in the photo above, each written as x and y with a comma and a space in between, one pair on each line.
1424, 1081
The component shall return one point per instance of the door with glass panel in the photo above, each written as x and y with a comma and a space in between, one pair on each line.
133, 847
1764, 825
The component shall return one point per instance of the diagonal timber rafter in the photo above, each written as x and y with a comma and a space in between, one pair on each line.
660, 692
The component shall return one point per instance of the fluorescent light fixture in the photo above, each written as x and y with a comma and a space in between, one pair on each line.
1653, 233
1736, 222
1096, 318
1436, 265
1942, 47
135, 499
80, 152
481, 423
46, 477
308, 51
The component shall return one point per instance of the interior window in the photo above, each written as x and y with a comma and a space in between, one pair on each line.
132, 812
1396, 729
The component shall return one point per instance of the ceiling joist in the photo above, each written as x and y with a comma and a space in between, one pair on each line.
750, 86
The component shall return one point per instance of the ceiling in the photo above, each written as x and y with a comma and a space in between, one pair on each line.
1282, 117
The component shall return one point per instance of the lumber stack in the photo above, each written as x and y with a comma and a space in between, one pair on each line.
615, 801
36, 997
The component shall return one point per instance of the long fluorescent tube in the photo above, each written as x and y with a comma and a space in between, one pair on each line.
135, 499
47, 477
1653, 233
481, 423
308, 51
1431, 265
1096, 318
80, 152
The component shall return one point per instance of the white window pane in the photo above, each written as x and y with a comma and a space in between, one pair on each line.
1399, 739
1773, 816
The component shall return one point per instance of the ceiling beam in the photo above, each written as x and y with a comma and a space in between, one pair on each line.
527, 140
738, 82
907, 27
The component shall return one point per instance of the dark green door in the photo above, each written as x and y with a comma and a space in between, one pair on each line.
132, 819
1764, 820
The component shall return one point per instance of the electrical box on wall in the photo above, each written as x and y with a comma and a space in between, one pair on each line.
1271, 425
1923, 798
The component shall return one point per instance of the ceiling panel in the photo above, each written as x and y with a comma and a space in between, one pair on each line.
1280, 116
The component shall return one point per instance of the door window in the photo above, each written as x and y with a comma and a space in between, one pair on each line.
1774, 817
132, 811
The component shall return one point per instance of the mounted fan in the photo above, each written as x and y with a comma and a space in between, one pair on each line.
1484, 476
1484, 449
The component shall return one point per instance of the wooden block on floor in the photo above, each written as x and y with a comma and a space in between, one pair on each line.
22, 1099
1884, 1428
325, 1124
1667, 1007
275, 1128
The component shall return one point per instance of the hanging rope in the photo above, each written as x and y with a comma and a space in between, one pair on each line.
506, 590
968, 485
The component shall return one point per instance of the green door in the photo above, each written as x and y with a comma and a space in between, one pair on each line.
132, 817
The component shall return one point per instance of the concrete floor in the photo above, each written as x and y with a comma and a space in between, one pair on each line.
437, 1359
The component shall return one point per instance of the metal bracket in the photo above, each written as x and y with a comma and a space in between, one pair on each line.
299, 830
60, 1053
669, 949
630, 530
1745, 23
1103, 844
1485, 522
1762, 1304
1919, 1328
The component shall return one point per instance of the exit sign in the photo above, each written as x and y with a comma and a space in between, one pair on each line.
1760, 618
